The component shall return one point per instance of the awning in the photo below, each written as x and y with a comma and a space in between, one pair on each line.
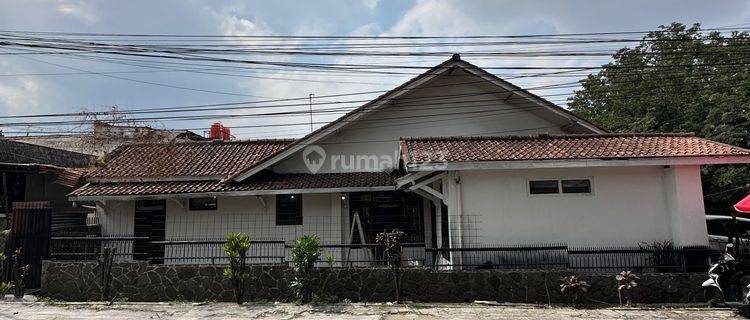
744, 205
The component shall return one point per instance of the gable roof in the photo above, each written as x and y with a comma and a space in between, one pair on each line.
14, 152
404, 88
426, 150
200, 160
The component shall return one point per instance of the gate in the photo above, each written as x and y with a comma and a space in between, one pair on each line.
30, 230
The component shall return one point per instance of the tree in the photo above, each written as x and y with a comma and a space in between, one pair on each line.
679, 79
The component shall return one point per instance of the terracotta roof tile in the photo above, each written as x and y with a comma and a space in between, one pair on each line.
186, 159
267, 181
562, 147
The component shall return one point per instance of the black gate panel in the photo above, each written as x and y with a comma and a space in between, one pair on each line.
29, 230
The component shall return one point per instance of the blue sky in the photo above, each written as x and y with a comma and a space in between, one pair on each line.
43, 94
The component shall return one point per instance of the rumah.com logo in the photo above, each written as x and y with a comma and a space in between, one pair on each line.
315, 157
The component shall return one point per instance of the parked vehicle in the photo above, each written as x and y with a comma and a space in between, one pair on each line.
723, 284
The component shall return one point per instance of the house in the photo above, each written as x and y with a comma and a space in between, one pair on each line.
106, 137
36, 173
455, 157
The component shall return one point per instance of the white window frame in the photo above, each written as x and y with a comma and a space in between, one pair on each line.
560, 192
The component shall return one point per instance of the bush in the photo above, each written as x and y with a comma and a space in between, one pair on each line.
21, 271
305, 253
4, 286
574, 287
236, 248
626, 280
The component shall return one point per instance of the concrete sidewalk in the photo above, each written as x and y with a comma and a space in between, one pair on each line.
41, 310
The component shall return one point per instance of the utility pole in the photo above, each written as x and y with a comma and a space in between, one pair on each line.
311, 117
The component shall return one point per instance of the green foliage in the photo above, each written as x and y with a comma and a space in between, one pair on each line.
330, 260
305, 253
20, 273
574, 287
392, 245
679, 79
4, 286
626, 280
236, 249
663, 254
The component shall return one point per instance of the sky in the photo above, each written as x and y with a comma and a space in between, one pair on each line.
26, 87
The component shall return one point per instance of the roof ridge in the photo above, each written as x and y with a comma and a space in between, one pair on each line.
215, 141
549, 136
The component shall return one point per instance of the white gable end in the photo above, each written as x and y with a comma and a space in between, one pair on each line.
455, 104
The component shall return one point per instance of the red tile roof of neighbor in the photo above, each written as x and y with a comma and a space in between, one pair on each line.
186, 159
562, 147
261, 182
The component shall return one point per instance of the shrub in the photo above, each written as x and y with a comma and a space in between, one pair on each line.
21, 271
574, 287
305, 253
626, 280
663, 255
4, 286
236, 248
391, 244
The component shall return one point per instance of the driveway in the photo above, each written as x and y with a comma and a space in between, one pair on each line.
41, 310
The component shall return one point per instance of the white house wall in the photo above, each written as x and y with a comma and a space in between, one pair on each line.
628, 205
321, 217
377, 134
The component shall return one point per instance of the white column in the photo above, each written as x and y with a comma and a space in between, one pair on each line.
684, 196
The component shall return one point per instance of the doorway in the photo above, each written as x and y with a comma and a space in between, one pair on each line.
388, 210
150, 218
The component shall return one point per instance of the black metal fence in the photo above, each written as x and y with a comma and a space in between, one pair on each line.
539, 257
582, 259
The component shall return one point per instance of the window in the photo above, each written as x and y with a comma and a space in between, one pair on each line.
560, 186
543, 187
288, 209
199, 204
576, 186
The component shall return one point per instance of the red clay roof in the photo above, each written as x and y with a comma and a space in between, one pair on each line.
562, 147
261, 182
185, 159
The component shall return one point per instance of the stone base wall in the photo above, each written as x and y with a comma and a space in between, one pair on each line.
138, 281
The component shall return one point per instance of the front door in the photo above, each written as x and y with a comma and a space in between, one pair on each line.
150, 216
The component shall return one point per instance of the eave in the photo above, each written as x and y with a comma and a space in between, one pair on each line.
575, 163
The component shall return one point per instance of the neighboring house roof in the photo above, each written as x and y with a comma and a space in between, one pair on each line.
105, 138
426, 150
200, 160
14, 152
446, 66
261, 184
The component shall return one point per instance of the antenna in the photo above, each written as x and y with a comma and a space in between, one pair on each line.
311, 117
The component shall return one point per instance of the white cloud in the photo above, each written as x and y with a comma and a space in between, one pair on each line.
19, 96
370, 4
79, 10
232, 25
434, 17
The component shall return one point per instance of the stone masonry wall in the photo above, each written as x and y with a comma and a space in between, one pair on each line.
138, 281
